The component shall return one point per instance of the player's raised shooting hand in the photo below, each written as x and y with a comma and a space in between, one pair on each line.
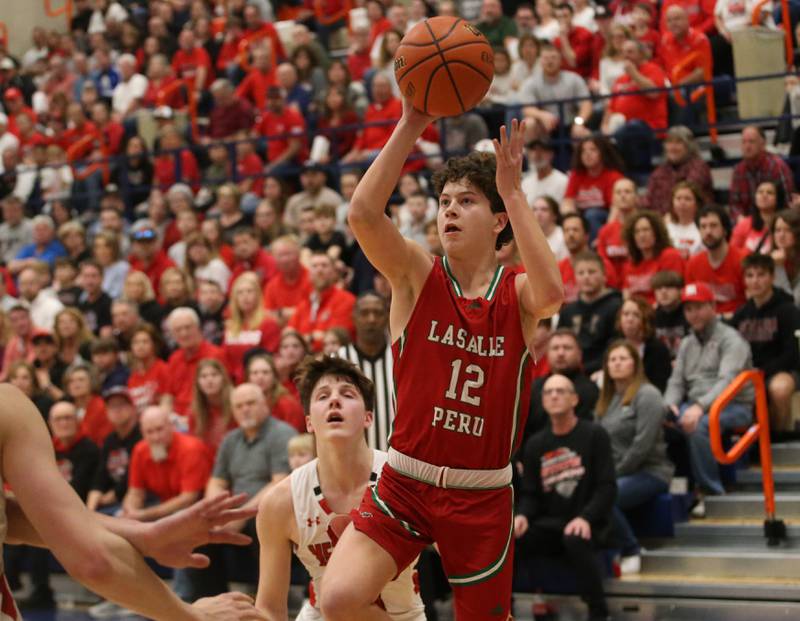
416, 118
508, 151
172, 539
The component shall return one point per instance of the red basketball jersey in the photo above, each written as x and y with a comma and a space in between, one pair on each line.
462, 374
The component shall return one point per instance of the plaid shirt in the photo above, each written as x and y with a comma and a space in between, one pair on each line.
665, 176
747, 176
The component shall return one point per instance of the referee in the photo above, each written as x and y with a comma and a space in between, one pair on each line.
372, 352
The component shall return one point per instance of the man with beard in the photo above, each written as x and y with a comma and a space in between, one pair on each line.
720, 265
542, 179
166, 464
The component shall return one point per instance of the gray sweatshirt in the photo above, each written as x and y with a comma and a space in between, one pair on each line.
706, 364
637, 436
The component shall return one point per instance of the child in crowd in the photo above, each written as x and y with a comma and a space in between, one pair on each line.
325, 236
334, 340
670, 322
301, 450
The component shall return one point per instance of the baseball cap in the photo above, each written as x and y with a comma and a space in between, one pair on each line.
7, 63
40, 334
13, 93
117, 391
602, 12
144, 232
697, 292
163, 112
310, 165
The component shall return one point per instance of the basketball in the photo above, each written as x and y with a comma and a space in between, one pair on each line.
444, 65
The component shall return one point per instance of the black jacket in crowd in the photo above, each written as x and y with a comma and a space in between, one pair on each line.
569, 476
112, 467
77, 464
770, 332
593, 323
657, 362
671, 326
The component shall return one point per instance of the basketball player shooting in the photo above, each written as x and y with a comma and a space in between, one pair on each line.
104, 553
308, 511
460, 327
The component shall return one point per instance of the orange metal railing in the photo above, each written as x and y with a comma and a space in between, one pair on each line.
755, 20
757, 432
686, 66
187, 84
65, 9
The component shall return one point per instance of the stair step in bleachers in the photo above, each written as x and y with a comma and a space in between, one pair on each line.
785, 478
751, 505
706, 586
786, 454
725, 561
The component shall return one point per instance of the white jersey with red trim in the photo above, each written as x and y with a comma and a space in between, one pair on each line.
8, 609
318, 530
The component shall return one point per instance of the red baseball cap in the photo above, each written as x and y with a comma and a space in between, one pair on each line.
13, 93
697, 292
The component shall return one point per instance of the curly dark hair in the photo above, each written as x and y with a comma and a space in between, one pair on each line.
479, 169
312, 370
659, 231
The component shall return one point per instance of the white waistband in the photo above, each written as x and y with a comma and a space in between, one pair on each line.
442, 476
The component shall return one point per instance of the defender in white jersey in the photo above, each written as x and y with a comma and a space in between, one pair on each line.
306, 513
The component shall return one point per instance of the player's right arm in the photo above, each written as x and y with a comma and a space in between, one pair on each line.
401, 261
273, 524
104, 562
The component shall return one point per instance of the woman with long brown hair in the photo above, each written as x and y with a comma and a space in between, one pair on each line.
649, 251
292, 351
686, 201
261, 371
148, 378
786, 253
636, 324
72, 336
632, 412
249, 325
211, 416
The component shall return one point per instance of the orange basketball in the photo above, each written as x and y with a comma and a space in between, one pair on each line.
444, 65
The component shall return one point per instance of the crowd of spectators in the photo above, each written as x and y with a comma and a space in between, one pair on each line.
175, 178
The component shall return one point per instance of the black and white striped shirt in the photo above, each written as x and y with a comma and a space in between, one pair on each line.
379, 369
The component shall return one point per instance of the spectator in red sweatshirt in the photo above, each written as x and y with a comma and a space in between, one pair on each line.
649, 251
380, 119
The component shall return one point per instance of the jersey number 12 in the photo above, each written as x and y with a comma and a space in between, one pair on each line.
474, 379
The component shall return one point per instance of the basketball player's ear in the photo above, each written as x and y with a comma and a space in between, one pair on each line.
369, 416
500, 221
309, 425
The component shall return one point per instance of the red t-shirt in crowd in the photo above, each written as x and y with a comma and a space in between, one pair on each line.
254, 87
182, 369
263, 264
590, 191
251, 167
375, 137
611, 247
699, 12
746, 239
581, 41
279, 293
164, 170
185, 64
153, 271
358, 64
288, 409
726, 280
186, 468
267, 336
290, 122
571, 286
636, 276
146, 386
335, 310
672, 51
95, 424
215, 430
651, 110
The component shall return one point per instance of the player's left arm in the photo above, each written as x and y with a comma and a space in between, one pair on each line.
539, 296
